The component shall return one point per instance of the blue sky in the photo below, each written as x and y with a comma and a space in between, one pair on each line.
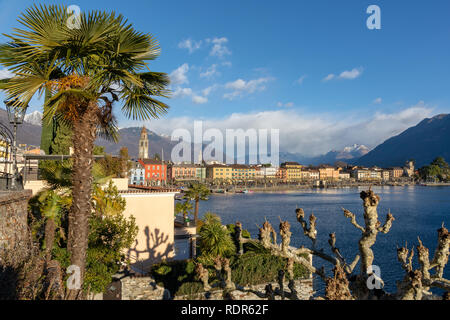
264, 64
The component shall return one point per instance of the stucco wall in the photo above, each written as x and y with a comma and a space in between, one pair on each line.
154, 213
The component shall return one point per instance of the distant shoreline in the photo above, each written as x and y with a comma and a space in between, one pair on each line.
240, 190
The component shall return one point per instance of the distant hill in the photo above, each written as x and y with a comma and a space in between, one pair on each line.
349, 155
423, 142
129, 137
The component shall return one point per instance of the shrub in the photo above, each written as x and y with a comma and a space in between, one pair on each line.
175, 274
256, 268
215, 240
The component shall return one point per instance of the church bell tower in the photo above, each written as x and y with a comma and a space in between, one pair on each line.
143, 144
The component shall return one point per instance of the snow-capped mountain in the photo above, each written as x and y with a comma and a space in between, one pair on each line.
354, 151
34, 117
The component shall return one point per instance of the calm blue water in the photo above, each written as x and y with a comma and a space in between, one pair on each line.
419, 211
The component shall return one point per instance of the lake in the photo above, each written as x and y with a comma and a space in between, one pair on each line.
418, 211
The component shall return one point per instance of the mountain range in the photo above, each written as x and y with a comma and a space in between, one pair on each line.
423, 142
347, 155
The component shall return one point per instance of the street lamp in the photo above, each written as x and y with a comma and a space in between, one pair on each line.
15, 116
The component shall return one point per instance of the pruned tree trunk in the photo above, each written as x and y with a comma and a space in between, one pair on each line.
84, 134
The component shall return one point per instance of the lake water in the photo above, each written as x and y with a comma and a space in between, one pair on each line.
418, 211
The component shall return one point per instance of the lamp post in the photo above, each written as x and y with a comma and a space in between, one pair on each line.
15, 116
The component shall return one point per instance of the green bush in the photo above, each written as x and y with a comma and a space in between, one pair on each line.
189, 289
175, 274
256, 268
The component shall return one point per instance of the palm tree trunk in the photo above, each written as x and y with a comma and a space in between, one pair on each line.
84, 134
50, 228
196, 211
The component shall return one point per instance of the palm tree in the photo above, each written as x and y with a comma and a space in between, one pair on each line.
87, 69
196, 192
215, 239
184, 208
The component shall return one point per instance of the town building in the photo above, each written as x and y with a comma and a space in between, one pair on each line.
137, 174
266, 172
218, 171
408, 169
242, 172
186, 171
395, 173
155, 171
143, 144
344, 175
328, 173
293, 171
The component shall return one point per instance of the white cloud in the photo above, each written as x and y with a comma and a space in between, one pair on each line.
6, 74
209, 89
199, 99
377, 101
210, 72
182, 92
345, 75
329, 77
190, 45
301, 79
352, 74
219, 48
241, 87
187, 92
311, 134
178, 76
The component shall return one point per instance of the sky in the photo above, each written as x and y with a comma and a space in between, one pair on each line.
312, 69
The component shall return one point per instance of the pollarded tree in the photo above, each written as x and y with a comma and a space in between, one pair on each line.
87, 66
344, 283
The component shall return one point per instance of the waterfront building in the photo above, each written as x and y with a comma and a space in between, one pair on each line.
395, 173
328, 173
242, 172
293, 171
218, 171
344, 175
266, 172
385, 175
408, 169
186, 171
155, 171
314, 174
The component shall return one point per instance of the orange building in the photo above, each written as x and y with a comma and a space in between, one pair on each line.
155, 171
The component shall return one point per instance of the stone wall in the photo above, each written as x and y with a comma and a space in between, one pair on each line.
142, 288
145, 288
13, 222
303, 287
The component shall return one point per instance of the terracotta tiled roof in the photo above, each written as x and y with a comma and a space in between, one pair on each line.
152, 161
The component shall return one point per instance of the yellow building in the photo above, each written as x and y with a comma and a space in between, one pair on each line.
328, 173
242, 172
293, 171
218, 171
